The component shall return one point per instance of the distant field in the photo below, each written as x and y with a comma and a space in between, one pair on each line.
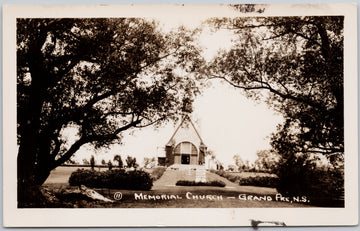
61, 174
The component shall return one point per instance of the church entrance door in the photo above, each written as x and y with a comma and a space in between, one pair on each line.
185, 159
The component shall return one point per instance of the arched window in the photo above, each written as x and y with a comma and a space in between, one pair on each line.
186, 148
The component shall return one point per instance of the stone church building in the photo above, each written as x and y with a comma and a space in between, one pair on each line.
185, 146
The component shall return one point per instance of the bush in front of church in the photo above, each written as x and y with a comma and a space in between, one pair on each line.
114, 179
195, 183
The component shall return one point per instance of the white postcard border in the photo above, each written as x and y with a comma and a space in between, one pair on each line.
14, 217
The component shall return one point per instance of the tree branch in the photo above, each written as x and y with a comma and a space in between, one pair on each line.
56, 149
116, 113
274, 91
92, 138
151, 123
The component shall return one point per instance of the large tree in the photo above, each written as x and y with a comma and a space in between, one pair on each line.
295, 64
95, 78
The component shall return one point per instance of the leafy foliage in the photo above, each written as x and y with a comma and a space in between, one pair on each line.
115, 179
267, 161
239, 162
149, 162
118, 159
96, 78
92, 162
295, 64
262, 181
300, 175
110, 165
85, 162
131, 162
194, 183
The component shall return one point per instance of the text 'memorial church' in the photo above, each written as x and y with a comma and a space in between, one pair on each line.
185, 146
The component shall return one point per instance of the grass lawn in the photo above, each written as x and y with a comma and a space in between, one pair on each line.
181, 197
231, 196
170, 196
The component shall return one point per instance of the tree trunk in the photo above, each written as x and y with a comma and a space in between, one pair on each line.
29, 193
32, 171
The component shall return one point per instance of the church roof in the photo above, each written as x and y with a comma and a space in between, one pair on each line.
185, 118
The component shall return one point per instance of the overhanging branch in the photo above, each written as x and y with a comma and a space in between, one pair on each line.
87, 139
266, 86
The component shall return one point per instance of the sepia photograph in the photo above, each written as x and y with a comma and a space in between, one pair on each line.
244, 108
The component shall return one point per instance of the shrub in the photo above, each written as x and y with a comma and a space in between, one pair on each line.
233, 178
110, 165
157, 172
322, 185
262, 181
194, 183
115, 179
230, 177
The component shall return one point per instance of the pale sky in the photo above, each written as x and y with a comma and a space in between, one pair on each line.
227, 121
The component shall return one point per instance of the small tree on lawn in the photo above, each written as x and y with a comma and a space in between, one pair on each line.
131, 162
92, 162
231, 168
85, 162
239, 162
110, 165
118, 159
267, 161
149, 162
103, 162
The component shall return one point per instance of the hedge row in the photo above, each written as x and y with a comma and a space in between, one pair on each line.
194, 183
114, 179
262, 181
